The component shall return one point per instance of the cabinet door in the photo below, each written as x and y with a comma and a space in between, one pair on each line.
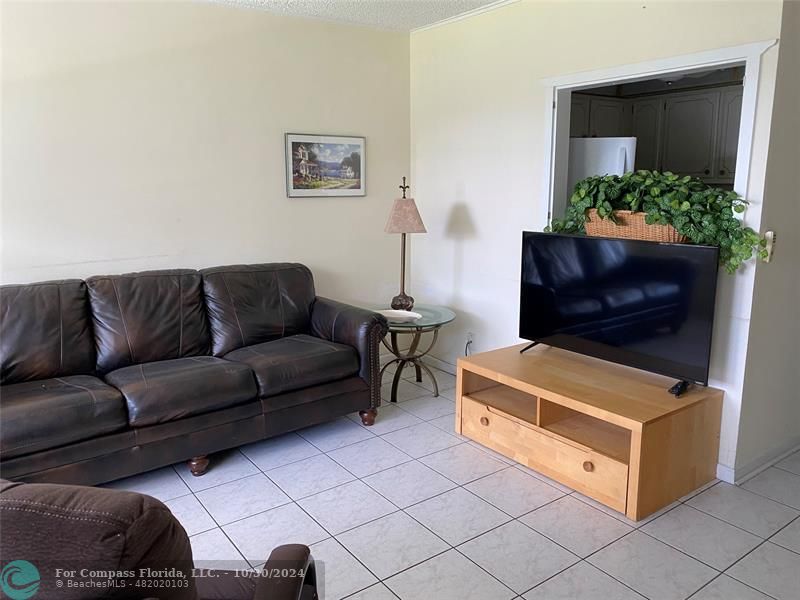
607, 118
579, 116
689, 134
730, 114
646, 128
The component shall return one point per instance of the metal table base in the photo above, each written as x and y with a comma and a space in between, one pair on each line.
410, 357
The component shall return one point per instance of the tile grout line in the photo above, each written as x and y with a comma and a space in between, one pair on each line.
489, 573
704, 586
720, 575
718, 571
450, 546
295, 501
532, 528
456, 547
457, 485
225, 533
336, 539
330, 535
380, 582
772, 499
742, 529
778, 466
770, 538
349, 420
580, 559
733, 524
726, 571
583, 560
689, 555
599, 568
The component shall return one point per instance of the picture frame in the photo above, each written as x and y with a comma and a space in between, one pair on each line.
325, 165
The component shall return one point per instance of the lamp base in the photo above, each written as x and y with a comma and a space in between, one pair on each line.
402, 302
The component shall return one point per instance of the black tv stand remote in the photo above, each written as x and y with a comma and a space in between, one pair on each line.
679, 388
528, 347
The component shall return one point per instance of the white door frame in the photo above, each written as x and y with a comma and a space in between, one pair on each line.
557, 107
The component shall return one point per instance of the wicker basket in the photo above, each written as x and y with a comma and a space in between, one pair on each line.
630, 225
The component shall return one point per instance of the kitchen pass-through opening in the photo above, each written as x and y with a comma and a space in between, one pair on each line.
691, 115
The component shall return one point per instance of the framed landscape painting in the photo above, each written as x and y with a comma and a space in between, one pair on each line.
324, 165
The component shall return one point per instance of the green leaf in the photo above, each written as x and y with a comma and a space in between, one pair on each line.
706, 215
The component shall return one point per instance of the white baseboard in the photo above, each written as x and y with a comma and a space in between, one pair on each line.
725, 473
764, 462
440, 364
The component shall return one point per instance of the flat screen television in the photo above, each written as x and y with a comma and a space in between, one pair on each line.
647, 305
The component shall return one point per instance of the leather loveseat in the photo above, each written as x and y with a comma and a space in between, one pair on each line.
116, 375
67, 542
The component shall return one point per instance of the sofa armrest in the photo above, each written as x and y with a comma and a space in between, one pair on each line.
287, 575
357, 327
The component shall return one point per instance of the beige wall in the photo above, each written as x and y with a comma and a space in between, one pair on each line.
478, 144
150, 134
770, 422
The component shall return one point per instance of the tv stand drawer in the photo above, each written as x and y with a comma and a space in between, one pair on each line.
578, 467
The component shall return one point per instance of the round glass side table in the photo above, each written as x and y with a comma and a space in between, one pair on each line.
433, 318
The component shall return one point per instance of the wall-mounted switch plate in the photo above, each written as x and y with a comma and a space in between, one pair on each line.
771, 238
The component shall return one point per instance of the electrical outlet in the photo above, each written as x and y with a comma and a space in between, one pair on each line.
468, 344
771, 239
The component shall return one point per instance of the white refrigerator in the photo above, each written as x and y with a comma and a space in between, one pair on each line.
599, 156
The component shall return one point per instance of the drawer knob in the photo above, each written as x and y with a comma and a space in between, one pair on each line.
484, 421
588, 466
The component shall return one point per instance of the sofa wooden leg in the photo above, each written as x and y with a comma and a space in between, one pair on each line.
368, 416
198, 465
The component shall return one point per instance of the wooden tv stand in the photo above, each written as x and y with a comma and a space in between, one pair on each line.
611, 432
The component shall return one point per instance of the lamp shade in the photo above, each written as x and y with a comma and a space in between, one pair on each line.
404, 218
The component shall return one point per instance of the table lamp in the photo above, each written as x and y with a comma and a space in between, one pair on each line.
403, 219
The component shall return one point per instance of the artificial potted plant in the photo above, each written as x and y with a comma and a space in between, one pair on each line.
662, 207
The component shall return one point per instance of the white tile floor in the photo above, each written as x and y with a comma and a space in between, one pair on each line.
406, 509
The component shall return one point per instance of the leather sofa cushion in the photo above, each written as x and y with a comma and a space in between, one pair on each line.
296, 362
146, 317
351, 385
37, 415
251, 304
46, 331
168, 390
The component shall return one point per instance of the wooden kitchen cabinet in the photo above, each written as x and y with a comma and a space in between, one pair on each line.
646, 126
579, 116
730, 111
598, 116
607, 117
690, 133
690, 122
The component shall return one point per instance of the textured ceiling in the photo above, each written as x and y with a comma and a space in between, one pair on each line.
397, 15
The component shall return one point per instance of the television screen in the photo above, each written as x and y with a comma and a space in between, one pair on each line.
647, 305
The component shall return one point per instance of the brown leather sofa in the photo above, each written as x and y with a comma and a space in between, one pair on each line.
114, 544
122, 374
